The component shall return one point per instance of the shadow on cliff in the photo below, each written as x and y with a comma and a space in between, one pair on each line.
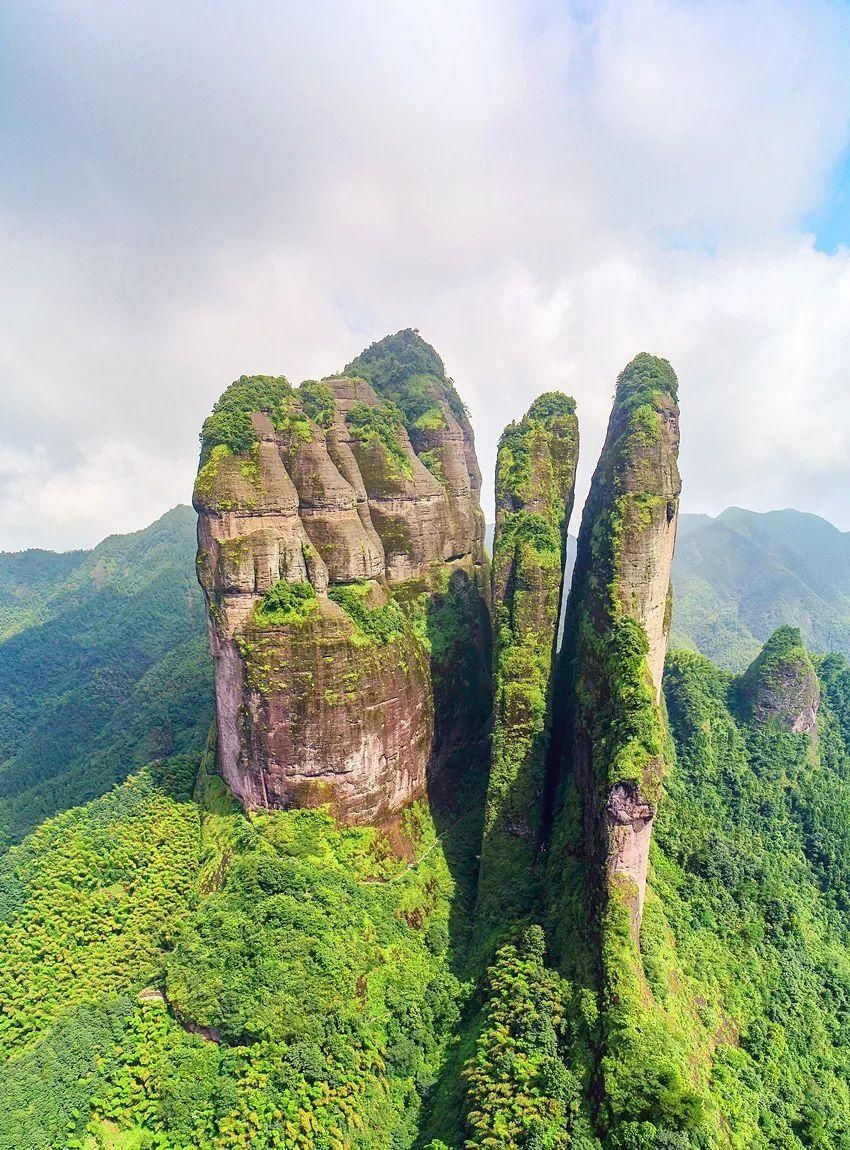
459, 631
458, 627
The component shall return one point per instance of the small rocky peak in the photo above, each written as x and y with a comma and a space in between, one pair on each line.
407, 373
535, 478
537, 453
781, 684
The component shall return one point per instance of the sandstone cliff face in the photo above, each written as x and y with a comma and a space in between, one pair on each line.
535, 481
616, 632
407, 372
781, 684
326, 549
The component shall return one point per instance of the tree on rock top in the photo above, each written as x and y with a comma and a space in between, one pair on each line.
408, 371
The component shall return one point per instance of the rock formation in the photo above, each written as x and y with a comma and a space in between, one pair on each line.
781, 684
407, 372
617, 621
328, 542
535, 482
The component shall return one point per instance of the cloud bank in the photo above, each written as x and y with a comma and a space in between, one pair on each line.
542, 189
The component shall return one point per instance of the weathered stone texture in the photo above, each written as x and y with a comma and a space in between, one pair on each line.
618, 607
313, 708
535, 481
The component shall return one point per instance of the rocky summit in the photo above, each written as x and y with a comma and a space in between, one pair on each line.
340, 548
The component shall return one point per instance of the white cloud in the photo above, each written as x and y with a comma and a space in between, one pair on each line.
188, 195
116, 487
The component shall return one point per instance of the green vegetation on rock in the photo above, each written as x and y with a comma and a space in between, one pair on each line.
781, 681
318, 402
605, 646
610, 753
535, 476
407, 371
229, 425
381, 425
286, 603
373, 626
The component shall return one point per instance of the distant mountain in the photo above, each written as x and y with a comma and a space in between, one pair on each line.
103, 667
738, 577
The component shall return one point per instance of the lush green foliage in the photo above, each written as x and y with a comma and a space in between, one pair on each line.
531, 531
286, 603
103, 666
750, 875
318, 401
627, 730
311, 960
381, 425
229, 424
643, 380
372, 625
87, 900
406, 370
520, 1092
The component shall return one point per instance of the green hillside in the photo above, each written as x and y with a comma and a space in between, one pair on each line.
103, 667
177, 975
739, 576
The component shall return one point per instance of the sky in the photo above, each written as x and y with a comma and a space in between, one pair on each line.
193, 191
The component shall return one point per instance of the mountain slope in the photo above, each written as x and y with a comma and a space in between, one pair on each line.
178, 975
739, 576
103, 666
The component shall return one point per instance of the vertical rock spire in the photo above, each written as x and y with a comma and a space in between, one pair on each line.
535, 482
616, 630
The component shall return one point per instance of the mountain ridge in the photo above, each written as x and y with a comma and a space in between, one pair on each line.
101, 671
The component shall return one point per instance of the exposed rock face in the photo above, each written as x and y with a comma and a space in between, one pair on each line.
535, 483
407, 372
781, 684
616, 632
324, 546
